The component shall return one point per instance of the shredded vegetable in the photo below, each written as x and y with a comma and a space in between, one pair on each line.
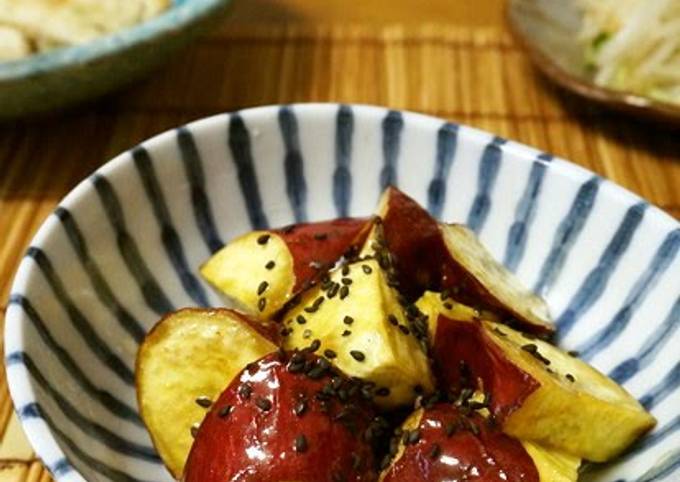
32, 26
634, 45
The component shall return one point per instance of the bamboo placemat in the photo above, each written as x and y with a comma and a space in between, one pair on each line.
474, 76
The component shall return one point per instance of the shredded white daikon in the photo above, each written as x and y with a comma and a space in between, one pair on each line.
634, 45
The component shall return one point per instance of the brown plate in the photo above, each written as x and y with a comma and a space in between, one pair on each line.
548, 30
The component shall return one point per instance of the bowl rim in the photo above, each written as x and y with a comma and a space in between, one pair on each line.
177, 17
21, 387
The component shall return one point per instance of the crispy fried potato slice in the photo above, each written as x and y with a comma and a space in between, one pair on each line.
189, 354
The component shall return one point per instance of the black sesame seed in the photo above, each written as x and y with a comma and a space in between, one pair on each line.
204, 402
328, 353
263, 239
356, 461
366, 269
435, 451
288, 229
346, 333
449, 428
194, 430
300, 407
404, 329
320, 236
499, 332
530, 347
307, 334
533, 350
346, 281
570, 377
344, 292
333, 290
348, 320
393, 320
263, 404
225, 411
245, 391
300, 444
448, 306
357, 355
261, 303
301, 320
270, 264
338, 477
345, 270
316, 373
412, 437
315, 345
474, 405
367, 393
573, 353
262, 288
487, 399
383, 392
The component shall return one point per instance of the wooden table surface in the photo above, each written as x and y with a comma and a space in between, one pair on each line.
452, 58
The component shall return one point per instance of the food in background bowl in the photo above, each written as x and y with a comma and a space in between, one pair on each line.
632, 45
32, 26
362, 343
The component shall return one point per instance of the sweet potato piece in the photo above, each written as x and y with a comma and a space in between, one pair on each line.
449, 258
262, 270
270, 424
538, 392
364, 330
190, 356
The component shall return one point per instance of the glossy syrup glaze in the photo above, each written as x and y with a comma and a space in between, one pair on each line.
464, 354
271, 424
451, 446
316, 247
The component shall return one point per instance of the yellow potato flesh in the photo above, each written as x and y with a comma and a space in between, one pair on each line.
590, 417
501, 284
392, 359
190, 354
431, 304
553, 466
238, 270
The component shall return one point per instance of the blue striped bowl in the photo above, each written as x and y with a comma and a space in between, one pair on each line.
62, 77
123, 248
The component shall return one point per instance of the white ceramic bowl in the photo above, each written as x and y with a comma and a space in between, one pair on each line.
124, 247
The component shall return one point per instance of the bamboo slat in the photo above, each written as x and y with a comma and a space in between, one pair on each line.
475, 76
